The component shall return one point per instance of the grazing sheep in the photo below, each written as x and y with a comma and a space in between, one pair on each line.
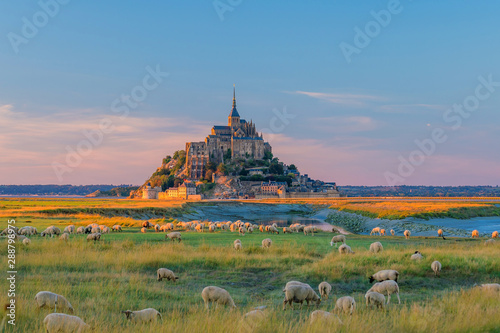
80, 230
440, 233
494, 234
375, 231
224, 227
212, 227
345, 304
237, 245
299, 294
475, 234
436, 267
143, 316
212, 294
64, 237
26, 241
250, 230
261, 228
164, 273
374, 298
490, 241
60, 322
386, 274
392, 232
95, 230
324, 289
407, 234
117, 228
337, 239
266, 243
174, 235
144, 230
386, 287
416, 256
309, 230
52, 231
490, 287
295, 283
69, 229
323, 317
382, 232
50, 300
251, 320
27, 231
273, 229
95, 237
345, 249
199, 227
6, 230
87, 229
287, 230
376, 247
157, 228
242, 231
147, 224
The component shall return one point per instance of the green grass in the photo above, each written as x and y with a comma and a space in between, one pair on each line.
119, 273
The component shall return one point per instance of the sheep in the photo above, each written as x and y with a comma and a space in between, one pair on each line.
416, 256
69, 229
490, 287
27, 231
345, 249
323, 317
345, 304
213, 294
157, 228
386, 274
64, 237
51, 231
88, 229
324, 289
53, 301
212, 227
375, 231
266, 243
337, 239
490, 241
382, 232
147, 224
295, 283
251, 320
436, 267
143, 316
60, 322
287, 230
273, 229
199, 227
95, 237
440, 233
80, 230
242, 231
407, 234
117, 228
386, 287
164, 273
169, 226
95, 230
144, 230
261, 228
494, 234
309, 230
173, 236
224, 227
374, 298
26, 241
6, 230
392, 232
20, 238
237, 245
475, 234
376, 247
250, 230
299, 294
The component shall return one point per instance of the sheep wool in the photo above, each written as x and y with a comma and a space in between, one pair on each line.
50, 300
376, 299
436, 267
164, 273
387, 287
213, 294
60, 322
386, 274
148, 315
324, 289
266, 243
345, 304
376, 247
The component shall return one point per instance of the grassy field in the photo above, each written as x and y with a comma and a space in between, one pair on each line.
119, 273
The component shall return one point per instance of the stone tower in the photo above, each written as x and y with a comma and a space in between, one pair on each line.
234, 118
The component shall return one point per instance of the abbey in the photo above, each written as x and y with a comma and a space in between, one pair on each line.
239, 139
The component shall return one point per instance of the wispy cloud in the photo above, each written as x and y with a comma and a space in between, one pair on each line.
338, 124
409, 108
352, 100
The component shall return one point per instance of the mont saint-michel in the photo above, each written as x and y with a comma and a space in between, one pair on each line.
233, 162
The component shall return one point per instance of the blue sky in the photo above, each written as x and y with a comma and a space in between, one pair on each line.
352, 122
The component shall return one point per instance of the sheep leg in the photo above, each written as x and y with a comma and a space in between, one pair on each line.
388, 297
399, 300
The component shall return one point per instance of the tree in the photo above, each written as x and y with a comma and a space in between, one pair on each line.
211, 166
221, 168
167, 159
268, 155
227, 155
292, 167
276, 169
208, 175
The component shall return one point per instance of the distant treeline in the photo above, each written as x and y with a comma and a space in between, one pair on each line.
420, 191
57, 189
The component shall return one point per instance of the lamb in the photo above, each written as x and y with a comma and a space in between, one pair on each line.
266, 243
345, 304
117, 228
407, 234
309, 230
212, 294
53, 301
20, 238
64, 237
299, 294
386, 274
323, 317
416, 256
164, 273
374, 298
494, 234
144, 230
324, 289
436, 267
345, 249
88, 229
174, 235
475, 233
337, 239
80, 230
386, 287
237, 245
69, 229
376, 247
95, 237
26, 241
242, 231
105, 229
490, 287
392, 232
60, 322
375, 231
143, 316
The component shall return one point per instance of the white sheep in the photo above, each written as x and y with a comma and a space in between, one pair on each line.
374, 298
95, 237
164, 273
337, 239
105, 229
51, 231
386, 274
116, 227
299, 294
309, 230
324, 317
386, 287
95, 230
212, 228
213, 294
324, 289
416, 256
436, 267
251, 320
266, 243
295, 283
345, 249
237, 245
345, 304
80, 230
143, 316
490, 241
60, 322
173, 236
407, 234
490, 287
242, 231
69, 229
376, 247
51, 300
26, 241
64, 237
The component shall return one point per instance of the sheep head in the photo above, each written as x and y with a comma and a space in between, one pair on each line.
128, 313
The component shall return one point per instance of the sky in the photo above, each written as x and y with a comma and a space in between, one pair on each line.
359, 93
